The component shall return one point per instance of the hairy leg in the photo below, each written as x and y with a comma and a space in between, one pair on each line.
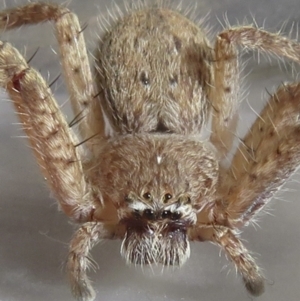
258, 39
224, 96
267, 156
78, 261
50, 136
225, 93
74, 60
235, 251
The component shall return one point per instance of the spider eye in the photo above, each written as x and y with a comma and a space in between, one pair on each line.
167, 197
147, 195
166, 214
176, 215
149, 214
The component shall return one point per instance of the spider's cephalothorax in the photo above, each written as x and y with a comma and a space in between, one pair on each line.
153, 180
157, 192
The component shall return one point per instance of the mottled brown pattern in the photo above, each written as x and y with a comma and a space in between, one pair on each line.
153, 181
143, 90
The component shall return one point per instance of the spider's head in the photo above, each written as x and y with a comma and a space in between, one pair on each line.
158, 184
157, 234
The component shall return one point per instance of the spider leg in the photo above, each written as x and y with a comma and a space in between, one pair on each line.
267, 156
78, 261
258, 39
74, 60
244, 262
227, 239
50, 136
224, 94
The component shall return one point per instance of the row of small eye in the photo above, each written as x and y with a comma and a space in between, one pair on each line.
167, 196
150, 214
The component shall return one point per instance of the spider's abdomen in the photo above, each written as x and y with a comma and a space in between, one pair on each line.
154, 73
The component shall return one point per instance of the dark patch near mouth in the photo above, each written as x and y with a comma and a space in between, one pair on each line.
140, 224
135, 224
155, 242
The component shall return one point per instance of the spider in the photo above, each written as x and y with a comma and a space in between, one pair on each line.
144, 173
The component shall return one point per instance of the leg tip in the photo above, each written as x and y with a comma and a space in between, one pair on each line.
255, 287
